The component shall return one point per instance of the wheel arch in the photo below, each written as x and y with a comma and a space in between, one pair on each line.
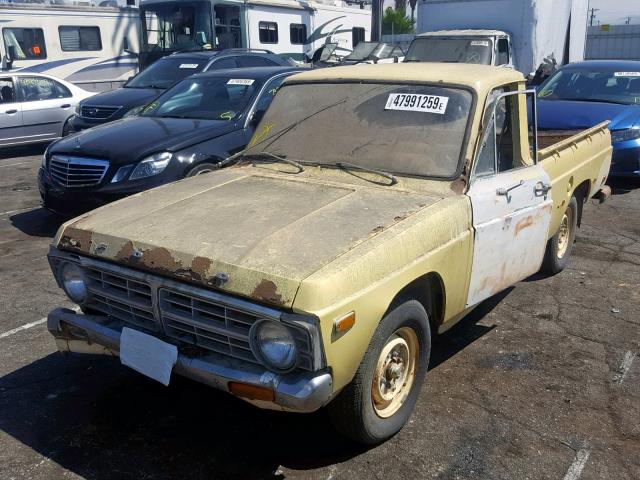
428, 289
581, 192
213, 158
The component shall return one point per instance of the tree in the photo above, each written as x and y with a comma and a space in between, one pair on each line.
396, 22
412, 4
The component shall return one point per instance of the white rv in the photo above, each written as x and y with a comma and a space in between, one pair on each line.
80, 43
292, 28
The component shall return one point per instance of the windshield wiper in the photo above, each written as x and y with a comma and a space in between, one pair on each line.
347, 165
278, 134
255, 156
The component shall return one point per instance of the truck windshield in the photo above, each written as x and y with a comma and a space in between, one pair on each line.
364, 49
580, 85
397, 128
213, 98
176, 25
165, 72
450, 50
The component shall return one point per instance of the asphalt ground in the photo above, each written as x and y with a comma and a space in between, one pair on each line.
540, 382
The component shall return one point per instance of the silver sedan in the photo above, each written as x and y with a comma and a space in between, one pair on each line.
35, 107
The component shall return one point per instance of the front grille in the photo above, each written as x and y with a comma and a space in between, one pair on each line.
95, 112
206, 324
185, 315
77, 171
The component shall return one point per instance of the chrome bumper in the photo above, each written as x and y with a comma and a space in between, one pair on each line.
99, 335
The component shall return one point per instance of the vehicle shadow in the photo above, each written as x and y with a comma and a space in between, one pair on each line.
622, 186
38, 222
23, 151
100, 420
465, 332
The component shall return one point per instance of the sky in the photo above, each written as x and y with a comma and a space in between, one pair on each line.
616, 11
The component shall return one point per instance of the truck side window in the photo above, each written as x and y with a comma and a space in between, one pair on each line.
503, 51
504, 134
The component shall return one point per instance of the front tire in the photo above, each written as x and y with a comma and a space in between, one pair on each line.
380, 398
201, 169
558, 252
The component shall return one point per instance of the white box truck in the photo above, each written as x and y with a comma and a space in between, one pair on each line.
523, 34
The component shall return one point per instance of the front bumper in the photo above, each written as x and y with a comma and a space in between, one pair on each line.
625, 161
296, 392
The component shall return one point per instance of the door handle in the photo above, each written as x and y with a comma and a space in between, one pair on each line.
66, 105
11, 112
505, 191
541, 189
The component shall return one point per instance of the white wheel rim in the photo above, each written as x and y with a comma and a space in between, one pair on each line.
395, 372
564, 234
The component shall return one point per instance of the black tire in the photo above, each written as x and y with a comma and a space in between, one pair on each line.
556, 258
66, 129
201, 169
352, 412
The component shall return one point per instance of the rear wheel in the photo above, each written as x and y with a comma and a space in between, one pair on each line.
66, 129
380, 398
201, 169
559, 247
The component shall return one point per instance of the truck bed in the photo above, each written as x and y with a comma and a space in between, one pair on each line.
573, 159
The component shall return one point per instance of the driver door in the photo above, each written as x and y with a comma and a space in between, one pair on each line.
510, 200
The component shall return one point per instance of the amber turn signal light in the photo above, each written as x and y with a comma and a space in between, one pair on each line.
345, 323
252, 392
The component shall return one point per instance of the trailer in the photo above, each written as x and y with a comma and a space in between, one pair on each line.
523, 34
87, 45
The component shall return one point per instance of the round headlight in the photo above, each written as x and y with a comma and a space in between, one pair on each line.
73, 282
274, 344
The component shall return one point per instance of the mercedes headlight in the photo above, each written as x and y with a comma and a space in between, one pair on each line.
625, 135
134, 111
151, 166
274, 344
73, 282
78, 110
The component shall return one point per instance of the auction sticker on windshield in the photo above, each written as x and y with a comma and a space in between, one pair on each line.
626, 74
189, 65
415, 102
240, 81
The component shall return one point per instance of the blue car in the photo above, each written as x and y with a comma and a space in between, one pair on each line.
581, 95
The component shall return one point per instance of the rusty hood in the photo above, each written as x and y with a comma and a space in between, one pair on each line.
257, 235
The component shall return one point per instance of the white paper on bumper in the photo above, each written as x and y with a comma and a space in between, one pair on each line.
147, 355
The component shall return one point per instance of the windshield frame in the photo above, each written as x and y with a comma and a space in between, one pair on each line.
465, 139
260, 83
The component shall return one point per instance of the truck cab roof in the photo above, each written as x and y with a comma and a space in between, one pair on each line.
481, 78
465, 33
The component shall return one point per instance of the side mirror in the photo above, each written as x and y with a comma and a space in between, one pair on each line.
10, 57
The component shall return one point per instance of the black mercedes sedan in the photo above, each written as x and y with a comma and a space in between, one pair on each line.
157, 77
186, 131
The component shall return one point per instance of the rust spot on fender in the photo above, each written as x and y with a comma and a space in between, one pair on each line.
267, 291
75, 239
458, 185
522, 224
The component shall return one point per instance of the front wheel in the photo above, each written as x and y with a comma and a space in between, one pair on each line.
380, 398
201, 169
556, 256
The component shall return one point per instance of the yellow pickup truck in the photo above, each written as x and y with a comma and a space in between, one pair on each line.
375, 206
